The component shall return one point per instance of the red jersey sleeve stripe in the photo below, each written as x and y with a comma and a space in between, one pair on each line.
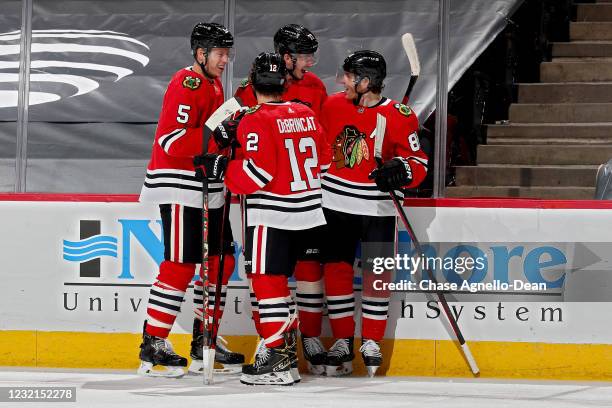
166, 141
257, 174
418, 160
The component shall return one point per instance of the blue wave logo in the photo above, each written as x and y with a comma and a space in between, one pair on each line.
90, 248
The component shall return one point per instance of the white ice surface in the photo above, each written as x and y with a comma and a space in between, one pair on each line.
121, 388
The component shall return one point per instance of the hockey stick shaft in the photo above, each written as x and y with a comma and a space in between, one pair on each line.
208, 354
208, 348
447, 311
219, 284
381, 124
406, 98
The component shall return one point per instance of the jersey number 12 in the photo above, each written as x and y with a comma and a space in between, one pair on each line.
312, 162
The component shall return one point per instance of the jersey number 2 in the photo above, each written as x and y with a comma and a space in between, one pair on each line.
298, 184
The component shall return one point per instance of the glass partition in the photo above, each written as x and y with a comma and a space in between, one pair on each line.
10, 45
99, 72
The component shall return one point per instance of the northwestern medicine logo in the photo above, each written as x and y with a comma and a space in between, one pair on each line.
537, 262
92, 246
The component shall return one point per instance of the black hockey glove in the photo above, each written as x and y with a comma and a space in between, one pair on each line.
212, 165
225, 133
392, 175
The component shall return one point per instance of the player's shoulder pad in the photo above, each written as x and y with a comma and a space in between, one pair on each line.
302, 106
245, 82
313, 80
338, 97
252, 109
191, 82
403, 109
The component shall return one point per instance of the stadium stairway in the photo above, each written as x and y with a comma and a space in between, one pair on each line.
560, 130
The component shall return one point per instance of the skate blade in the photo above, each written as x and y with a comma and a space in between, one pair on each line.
149, 370
339, 371
295, 375
371, 370
197, 368
279, 378
318, 369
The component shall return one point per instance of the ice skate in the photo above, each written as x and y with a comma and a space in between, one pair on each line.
158, 359
230, 362
372, 357
314, 353
339, 359
272, 367
291, 339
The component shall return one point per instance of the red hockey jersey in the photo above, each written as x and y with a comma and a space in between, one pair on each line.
189, 101
283, 146
350, 132
309, 90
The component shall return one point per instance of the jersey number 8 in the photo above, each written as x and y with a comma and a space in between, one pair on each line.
413, 139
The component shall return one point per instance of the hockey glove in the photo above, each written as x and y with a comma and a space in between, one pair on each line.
225, 133
211, 165
392, 175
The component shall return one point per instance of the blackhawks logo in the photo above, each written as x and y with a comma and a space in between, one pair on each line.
403, 109
253, 109
191, 82
244, 82
350, 148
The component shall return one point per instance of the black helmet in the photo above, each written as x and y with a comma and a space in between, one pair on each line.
268, 73
366, 63
211, 35
295, 39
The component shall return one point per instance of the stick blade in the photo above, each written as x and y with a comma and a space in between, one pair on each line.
208, 365
379, 135
470, 359
411, 53
228, 108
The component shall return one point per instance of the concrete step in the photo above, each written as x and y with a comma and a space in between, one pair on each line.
560, 131
526, 176
581, 92
551, 193
580, 31
594, 12
576, 71
560, 112
544, 154
552, 141
582, 49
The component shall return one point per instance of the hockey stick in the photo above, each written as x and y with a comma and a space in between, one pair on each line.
214, 330
415, 65
381, 124
208, 349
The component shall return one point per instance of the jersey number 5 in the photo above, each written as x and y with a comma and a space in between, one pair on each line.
312, 162
183, 113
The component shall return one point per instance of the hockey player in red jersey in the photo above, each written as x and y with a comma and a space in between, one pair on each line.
299, 46
193, 94
279, 174
357, 204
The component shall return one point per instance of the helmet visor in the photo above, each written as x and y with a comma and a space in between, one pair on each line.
309, 59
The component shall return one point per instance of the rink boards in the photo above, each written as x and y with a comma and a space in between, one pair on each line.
76, 271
